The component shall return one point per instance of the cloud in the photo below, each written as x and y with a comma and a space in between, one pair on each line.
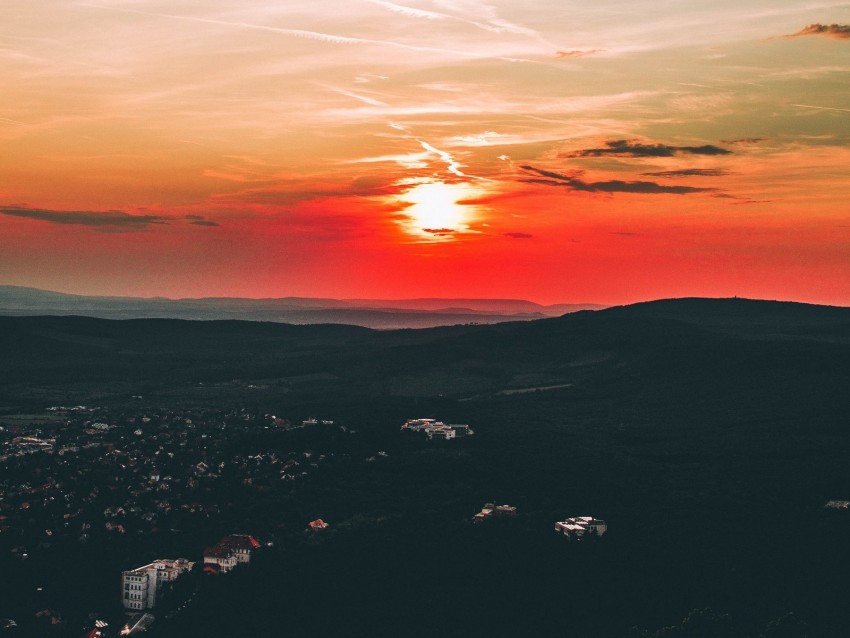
410, 12
690, 172
104, 220
296, 33
744, 140
452, 165
821, 108
629, 148
838, 31
198, 220
439, 231
746, 202
299, 191
573, 181
518, 235
576, 53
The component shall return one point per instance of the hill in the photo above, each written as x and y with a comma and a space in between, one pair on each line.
664, 338
373, 313
709, 434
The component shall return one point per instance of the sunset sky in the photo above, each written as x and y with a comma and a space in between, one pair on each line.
602, 151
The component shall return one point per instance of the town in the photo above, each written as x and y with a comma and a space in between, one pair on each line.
163, 496
139, 483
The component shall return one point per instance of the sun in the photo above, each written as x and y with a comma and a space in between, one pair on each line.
436, 210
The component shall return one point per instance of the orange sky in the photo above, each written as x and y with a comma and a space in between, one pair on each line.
560, 152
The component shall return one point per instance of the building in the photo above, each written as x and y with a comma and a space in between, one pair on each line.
141, 586
318, 524
580, 526
491, 510
461, 429
437, 429
416, 425
230, 551
440, 432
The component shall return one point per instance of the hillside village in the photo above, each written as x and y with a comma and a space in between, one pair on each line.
87, 476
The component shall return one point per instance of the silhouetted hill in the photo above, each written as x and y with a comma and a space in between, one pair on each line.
373, 313
690, 336
765, 319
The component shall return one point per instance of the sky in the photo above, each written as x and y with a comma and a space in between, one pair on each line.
604, 151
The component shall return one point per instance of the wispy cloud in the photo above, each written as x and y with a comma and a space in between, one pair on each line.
574, 181
518, 235
410, 12
690, 172
577, 53
821, 108
104, 220
837, 31
452, 164
299, 191
628, 148
320, 36
356, 96
440, 232
744, 140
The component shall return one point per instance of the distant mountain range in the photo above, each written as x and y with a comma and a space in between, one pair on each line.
370, 313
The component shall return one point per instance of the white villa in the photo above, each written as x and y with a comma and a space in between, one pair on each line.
580, 526
437, 429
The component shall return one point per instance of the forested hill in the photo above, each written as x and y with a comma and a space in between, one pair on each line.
709, 435
691, 336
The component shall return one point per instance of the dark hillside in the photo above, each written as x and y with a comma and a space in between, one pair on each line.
708, 433
667, 338
758, 318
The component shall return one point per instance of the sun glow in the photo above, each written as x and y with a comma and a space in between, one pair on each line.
436, 210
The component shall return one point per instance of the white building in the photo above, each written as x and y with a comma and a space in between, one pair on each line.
437, 429
440, 432
141, 586
231, 551
580, 526
415, 425
491, 510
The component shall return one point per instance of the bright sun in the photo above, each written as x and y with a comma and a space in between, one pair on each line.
435, 210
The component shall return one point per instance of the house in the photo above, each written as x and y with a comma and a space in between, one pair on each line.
490, 510
318, 524
440, 432
437, 429
218, 560
837, 505
461, 429
230, 551
141, 586
415, 425
580, 526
